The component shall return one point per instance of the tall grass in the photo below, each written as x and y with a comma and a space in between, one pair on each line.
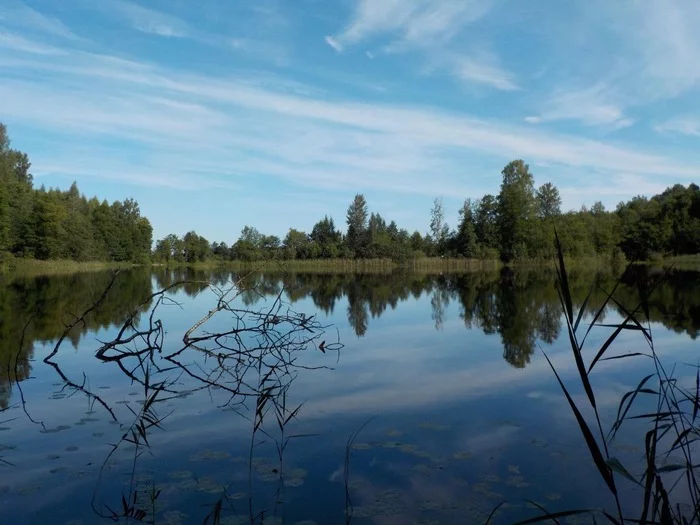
664, 493
34, 267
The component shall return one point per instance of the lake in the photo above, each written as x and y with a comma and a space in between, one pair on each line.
300, 398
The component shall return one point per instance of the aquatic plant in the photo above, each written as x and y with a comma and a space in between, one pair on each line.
665, 492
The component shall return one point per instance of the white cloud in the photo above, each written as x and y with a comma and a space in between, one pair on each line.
428, 27
593, 106
19, 43
683, 125
484, 73
145, 19
412, 22
665, 33
334, 43
224, 129
15, 13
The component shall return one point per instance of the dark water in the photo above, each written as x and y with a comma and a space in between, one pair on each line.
440, 379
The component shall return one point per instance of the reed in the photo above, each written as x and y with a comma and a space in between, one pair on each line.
665, 493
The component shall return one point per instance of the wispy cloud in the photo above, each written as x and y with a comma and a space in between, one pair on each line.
594, 106
145, 19
484, 73
18, 15
683, 125
334, 43
19, 43
427, 27
665, 34
202, 126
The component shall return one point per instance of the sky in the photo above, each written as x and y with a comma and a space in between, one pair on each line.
216, 114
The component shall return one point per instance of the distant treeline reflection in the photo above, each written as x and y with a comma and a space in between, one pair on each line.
522, 307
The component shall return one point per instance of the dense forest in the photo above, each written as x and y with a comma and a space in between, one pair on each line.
517, 223
53, 224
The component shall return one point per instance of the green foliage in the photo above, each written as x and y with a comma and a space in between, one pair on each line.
516, 225
357, 225
517, 211
438, 227
54, 224
548, 201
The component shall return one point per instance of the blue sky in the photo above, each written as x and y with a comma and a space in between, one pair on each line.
274, 113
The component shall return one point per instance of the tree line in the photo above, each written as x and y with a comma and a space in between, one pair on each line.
518, 223
53, 224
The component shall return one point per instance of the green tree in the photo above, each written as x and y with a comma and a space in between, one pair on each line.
548, 201
357, 225
439, 229
517, 210
486, 223
466, 241
296, 245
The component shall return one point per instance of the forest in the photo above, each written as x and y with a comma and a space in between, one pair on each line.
52, 224
516, 224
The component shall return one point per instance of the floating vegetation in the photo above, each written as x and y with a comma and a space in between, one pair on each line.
181, 474
98, 434
484, 489
553, 496
174, 517
209, 455
71, 448
53, 456
463, 455
295, 477
517, 482
513, 469
386, 503
59, 428
208, 484
434, 505
31, 489
434, 426
2, 429
491, 478
423, 469
239, 519
393, 432
57, 470
89, 419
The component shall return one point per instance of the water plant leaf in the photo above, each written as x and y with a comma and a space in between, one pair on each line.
618, 467
596, 454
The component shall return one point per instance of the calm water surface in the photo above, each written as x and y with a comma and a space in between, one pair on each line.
438, 382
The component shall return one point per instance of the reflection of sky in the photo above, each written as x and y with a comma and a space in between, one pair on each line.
460, 412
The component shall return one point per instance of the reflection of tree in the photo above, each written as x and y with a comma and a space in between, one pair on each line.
516, 312
550, 325
357, 311
521, 306
52, 303
438, 303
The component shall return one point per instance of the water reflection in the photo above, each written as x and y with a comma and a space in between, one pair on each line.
522, 307
37, 310
243, 364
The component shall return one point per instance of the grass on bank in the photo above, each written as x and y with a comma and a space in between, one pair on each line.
34, 267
